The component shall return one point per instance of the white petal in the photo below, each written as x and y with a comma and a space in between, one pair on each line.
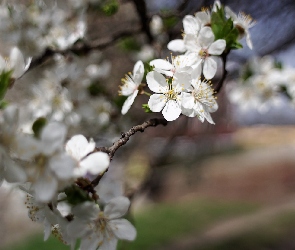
156, 82
78, 146
86, 211
138, 72
217, 47
191, 25
161, 64
26, 147
206, 37
117, 207
52, 137
91, 242
77, 228
13, 172
188, 100
128, 102
210, 67
96, 163
109, 244
248, 40
63, 166
2, 64
176, 45
157, 102
45, 188
17, 62
171, 111
123, 229
197, 69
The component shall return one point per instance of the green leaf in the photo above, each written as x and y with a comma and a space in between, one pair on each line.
5, 80
38, 125
146, 108
95, 88
76, 195
110, 7
128, 44
3, 104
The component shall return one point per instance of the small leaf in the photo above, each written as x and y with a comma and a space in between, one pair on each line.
38, 125
110, 7
5, 80
76, 195
146, 108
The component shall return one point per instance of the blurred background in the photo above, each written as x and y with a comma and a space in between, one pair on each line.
193, 185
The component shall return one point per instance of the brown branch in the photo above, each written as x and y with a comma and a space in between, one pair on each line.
224, 74
141, 9
125, 138
82, 47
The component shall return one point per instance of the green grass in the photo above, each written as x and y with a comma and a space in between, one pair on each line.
267, 236
160, 224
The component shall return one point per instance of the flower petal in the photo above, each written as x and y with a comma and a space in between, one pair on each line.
78, 146
17, 62
171, 111
117, 207
52, 137
96, 163
128, 102
63, 166
206, 37
176, 45
191, 25
217, 47
123, 229
138, 72
157, 102
210, 67
45, 187
156, 82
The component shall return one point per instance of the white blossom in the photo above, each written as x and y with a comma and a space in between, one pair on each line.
168, 95
101, 229
130, 85
79, 148
15, 62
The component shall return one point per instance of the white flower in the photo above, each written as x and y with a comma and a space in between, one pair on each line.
101, 229
205, 49
200, 101
9, 170
168, 95
15, 62
243, 23
156, 25
191, 26
78, 147
130, 86
51, 167
179, 64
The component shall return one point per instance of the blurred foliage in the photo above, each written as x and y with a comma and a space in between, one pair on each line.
161, 224
129, 44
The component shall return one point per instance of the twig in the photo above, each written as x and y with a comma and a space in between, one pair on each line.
140, 6
125, 138
82, 47
224, 74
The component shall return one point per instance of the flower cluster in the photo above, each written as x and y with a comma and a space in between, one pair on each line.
182, 85
62, 172
263, 83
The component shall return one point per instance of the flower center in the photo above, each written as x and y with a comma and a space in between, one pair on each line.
171, 94
203, 53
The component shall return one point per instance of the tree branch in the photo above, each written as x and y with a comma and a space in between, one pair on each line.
82, 47
224, 74
140, 6
125, 138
